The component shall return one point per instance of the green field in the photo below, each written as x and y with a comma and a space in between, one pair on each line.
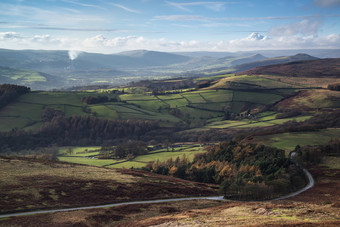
22, 76
214, 77
87, 161
191, 107
249, 80
256, 97
79, 151
288, 141
79, 156
264, 121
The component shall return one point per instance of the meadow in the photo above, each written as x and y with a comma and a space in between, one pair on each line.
288, 141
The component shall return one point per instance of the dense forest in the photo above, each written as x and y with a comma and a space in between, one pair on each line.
75, 130
243, 170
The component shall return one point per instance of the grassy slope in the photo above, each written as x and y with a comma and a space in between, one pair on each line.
288, 141
312, 100
19, 76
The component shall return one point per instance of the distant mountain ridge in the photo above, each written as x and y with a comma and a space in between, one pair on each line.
272, 61
319, 53
61, 68
28, 59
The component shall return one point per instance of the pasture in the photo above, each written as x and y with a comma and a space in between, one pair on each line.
288, 141
251, 81
263, 120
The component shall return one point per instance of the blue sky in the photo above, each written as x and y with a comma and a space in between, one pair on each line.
174, 25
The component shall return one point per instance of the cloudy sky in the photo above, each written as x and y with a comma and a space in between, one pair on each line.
111, 26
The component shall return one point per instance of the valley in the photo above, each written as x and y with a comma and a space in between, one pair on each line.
218, 134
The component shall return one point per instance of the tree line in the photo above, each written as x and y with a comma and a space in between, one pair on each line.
128, 149
76, 130
242, 169
9, 92
98, 99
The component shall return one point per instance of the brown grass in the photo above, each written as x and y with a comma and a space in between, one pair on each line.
304, 81
319, 206
308, 100
33, 184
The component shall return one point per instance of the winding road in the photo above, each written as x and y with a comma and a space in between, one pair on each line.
308, 186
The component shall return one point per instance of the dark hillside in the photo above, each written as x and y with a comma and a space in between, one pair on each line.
272, 61
315, 68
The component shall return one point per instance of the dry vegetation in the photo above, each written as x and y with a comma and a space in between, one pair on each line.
303, 81
308, 100
319, 206
31, 184
315, 68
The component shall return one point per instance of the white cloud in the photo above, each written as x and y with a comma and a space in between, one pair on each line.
9, 36
58, 17
41, 38
83, 4
215, 6
182, 18
256, 37
305, 27
199, 18
104, 44
125, 8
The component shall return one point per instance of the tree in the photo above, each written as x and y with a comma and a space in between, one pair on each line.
224, 187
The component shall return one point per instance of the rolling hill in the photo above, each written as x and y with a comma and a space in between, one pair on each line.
272, 61
313, 68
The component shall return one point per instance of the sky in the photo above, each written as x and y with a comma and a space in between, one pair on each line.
104, 26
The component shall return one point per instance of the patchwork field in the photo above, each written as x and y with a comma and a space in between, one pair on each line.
189, 107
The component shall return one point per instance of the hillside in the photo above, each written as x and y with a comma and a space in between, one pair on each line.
313, 68
33, 79
57, 60
272, 61
56, 184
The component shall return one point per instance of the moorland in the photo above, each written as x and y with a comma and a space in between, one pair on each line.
217, 133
